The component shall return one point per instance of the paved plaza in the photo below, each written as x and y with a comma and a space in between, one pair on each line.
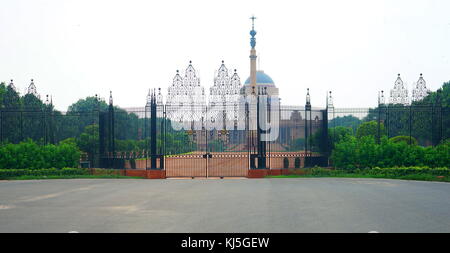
224, 205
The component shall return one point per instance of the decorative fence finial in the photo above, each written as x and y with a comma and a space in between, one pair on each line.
110, 98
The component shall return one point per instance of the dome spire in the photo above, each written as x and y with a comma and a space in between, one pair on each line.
253, 54
253, 32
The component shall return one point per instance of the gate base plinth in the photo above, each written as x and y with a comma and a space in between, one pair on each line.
135, 173
261, 173
279, 172
148, 174
258, 173
156, 174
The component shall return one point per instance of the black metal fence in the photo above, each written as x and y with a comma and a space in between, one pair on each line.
427, 124
143, 137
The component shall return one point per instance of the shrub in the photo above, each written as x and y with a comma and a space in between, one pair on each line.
106, 172
404, 171
404, 138
9, 173
317, 171
363, 153
370, 128
29, 155
413, 172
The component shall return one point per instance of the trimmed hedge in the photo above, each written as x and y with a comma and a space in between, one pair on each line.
29, 155
9, 173
354, 153
107, 172
404, 171
386, 172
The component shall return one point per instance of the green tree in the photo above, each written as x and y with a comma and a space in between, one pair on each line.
87, 104
432, 107
370, 129
88, 141
345, 121
33, 117
12, 127
403, 138
69, 141
297, 144
2, 93
338, 134
319, 142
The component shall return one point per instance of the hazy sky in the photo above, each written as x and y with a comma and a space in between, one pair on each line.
75, 49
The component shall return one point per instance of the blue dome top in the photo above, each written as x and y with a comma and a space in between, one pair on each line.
261, 78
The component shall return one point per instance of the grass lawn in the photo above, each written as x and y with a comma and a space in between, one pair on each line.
421, 177
71, 177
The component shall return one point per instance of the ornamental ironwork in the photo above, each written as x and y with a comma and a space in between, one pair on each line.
330, 103
12, 86
420, 90
399, 94
225, 93
381, 98
32, 89
186, 98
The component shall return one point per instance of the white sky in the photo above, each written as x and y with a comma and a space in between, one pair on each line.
75, 49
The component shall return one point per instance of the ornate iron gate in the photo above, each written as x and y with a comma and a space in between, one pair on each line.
203, 151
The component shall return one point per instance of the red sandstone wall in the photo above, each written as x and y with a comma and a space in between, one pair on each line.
156, 174
149, 174
136, 173
140, 164
277, 162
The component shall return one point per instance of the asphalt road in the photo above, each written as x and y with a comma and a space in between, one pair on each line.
227, 205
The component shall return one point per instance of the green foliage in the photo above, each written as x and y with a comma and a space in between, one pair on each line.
88, 141
130, 145
397, 117
335, 135
365, 153
69, 141
175, 143
22, 117
338, 134
404, 171
370, 128
443, 94
404, 138
409, 173
178, 142
29, 155
88, 104
347, 121
2, 92
297, 144
10, 120
343, 154
9, 173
